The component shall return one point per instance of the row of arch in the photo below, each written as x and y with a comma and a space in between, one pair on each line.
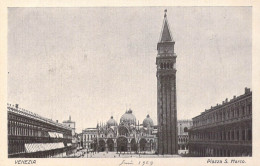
185, 139
166, 65
183, 147
223, 114
221, 152
123, 146
233, 134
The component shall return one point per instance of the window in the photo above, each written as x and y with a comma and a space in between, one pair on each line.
8, 128
243, 111
232, 135
249, 134
243, 135
249, 109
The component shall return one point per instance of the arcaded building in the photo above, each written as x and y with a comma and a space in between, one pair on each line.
33, 136
225, 129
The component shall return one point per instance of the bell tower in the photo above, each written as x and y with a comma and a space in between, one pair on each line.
166, 92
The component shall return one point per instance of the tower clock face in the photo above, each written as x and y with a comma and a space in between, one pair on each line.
164, 49
167, 49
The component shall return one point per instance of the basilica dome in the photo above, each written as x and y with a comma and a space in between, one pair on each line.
148, 121
128, 118
111, 122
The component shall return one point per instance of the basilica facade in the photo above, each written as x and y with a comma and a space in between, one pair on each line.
127, 135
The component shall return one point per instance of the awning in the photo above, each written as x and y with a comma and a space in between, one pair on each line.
51, 134
39, 147
60, 135
55, 135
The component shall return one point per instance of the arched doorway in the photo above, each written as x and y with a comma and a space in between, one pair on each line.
151, 145
102, 145
133, 145
122, 144
110, 144
143, 144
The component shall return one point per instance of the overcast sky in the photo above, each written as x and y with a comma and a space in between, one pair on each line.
92, 63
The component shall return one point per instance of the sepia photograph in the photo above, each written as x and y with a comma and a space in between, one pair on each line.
129, 82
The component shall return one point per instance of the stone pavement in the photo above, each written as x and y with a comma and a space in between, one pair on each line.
126, 155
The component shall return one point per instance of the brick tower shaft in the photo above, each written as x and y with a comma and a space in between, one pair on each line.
166, 92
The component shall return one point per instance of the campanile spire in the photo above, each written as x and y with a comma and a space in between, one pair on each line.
165, 33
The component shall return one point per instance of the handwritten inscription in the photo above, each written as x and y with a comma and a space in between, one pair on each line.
25, 161
144, 163
141, 163
233, 161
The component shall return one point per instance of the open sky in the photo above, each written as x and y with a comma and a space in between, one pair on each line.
92, 63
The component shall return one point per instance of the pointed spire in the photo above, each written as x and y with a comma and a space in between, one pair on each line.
165, 34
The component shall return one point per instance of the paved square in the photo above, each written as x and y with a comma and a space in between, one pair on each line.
126, 155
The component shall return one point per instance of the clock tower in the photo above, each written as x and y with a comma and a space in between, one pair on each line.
166, 92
